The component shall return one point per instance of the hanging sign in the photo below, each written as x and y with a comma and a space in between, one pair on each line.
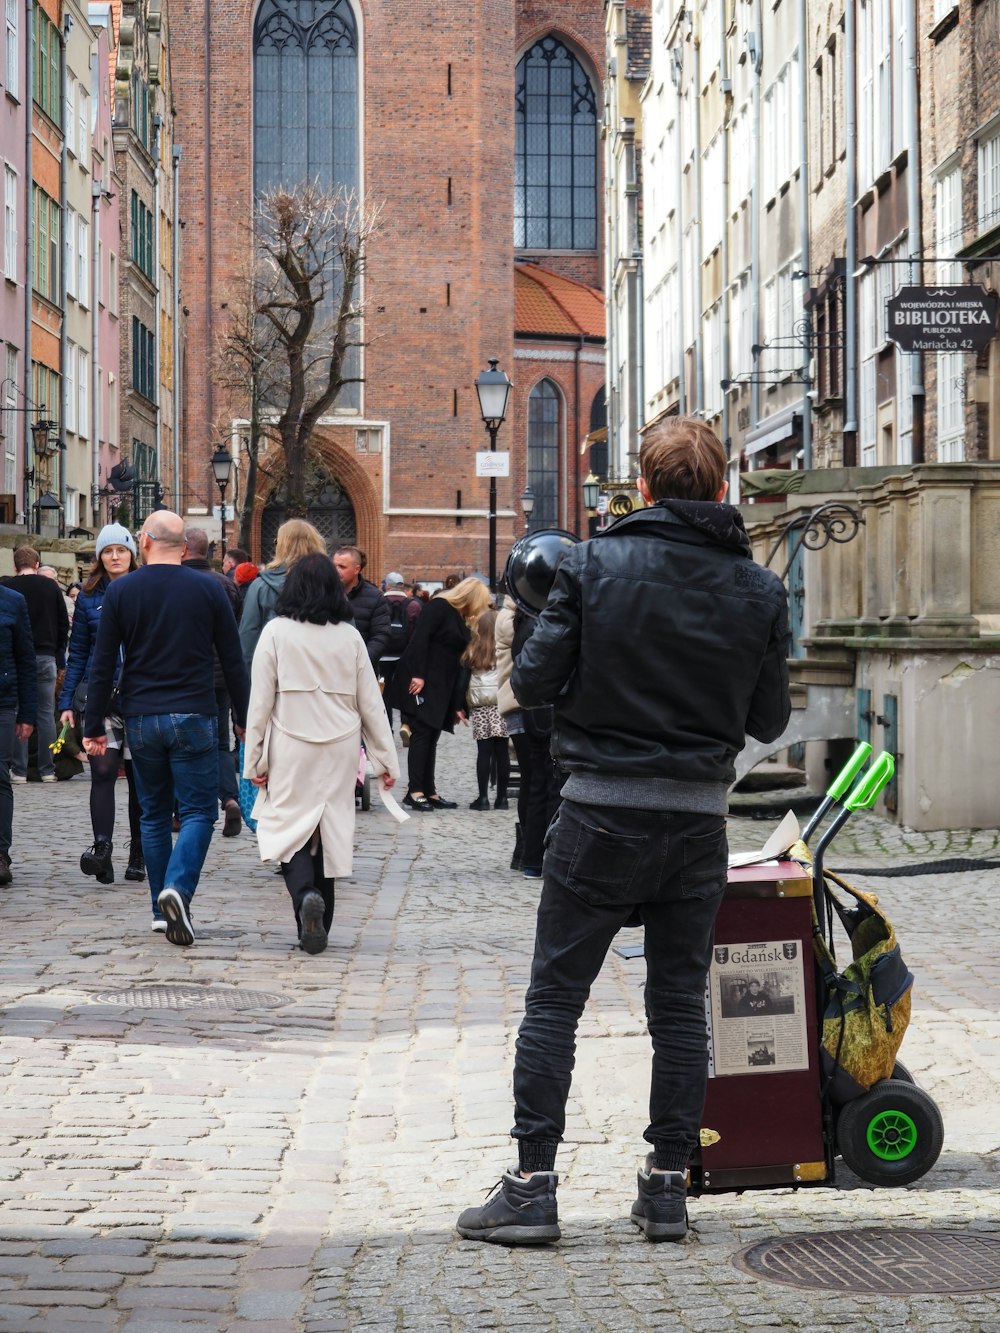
492, 464
942, 319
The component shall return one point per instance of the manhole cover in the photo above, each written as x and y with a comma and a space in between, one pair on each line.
189, 997
878, 1262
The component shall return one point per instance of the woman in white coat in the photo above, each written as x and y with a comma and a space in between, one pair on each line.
313, 696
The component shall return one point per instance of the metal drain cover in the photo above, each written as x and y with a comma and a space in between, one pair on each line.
879, 1262
189, 997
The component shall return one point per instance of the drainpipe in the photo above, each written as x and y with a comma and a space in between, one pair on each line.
804, 230
157, 307
913, 229
96, 195
176, 333
29, 235
756, 59
676, 57
64, 31
696, 314
726, 86
576, 439
850, 425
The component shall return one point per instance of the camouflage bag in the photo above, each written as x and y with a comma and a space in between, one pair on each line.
868, 1004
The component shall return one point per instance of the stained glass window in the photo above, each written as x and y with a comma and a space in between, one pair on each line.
543, 454
555, 126
305, 94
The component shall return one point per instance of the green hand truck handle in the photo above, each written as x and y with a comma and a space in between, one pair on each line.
865, 794
841, 784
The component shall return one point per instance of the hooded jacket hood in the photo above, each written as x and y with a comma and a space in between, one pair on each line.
274, 578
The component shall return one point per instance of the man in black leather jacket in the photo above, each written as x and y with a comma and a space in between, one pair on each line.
662, 646
372, 618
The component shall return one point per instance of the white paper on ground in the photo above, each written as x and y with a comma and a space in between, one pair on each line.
392, 805
780, 840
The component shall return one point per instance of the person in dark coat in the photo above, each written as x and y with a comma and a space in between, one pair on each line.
49, 632
196, 557
114, 557
661, 647
429, 684
368, 607
18, 706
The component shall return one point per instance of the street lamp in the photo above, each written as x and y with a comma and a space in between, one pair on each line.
493, 388
48, 515
591, 492
527, 505
222, 466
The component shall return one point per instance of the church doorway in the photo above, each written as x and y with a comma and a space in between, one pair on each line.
329, 510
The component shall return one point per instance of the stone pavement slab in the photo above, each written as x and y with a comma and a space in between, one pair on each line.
298, 1164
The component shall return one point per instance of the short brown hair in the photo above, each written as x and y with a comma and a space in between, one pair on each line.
26, 557
682, 459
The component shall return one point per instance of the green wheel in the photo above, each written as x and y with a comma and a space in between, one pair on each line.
891, 1135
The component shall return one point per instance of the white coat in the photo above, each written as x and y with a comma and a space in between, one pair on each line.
313, 694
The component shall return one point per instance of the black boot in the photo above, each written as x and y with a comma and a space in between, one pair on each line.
518, 1212
96, 861
660, 1210
136, 869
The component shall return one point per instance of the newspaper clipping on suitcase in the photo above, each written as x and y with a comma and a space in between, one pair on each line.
757, 1008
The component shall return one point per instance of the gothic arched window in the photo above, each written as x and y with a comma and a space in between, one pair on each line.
555, 126
305, 105
543, 454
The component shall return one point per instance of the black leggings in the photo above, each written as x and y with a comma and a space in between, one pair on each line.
103, 775
495, 748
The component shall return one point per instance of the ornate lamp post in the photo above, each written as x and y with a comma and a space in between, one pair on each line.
527, 506
493, 388
222, 466
591, 492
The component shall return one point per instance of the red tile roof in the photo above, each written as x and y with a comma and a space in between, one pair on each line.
547, 303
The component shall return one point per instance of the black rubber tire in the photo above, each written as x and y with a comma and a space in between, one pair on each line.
919, 1115
902, 1075
366, 793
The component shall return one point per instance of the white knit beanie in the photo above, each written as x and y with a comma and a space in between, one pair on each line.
114, 534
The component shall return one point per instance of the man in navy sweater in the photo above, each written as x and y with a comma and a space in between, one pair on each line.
168, 621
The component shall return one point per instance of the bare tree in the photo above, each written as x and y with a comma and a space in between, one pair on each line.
295, 322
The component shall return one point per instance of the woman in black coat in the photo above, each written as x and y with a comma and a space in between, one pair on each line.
428, 686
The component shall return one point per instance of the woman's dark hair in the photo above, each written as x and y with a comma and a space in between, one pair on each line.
313, 592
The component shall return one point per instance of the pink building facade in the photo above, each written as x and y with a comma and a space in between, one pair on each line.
15, 195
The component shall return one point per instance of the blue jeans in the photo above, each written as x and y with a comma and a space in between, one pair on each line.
601, 864
46, 668
175, 756
8, 719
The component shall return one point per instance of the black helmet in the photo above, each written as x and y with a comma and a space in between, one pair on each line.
532, 564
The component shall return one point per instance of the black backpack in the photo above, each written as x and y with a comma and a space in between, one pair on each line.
399, 626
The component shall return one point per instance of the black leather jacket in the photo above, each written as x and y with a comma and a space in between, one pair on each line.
663, 644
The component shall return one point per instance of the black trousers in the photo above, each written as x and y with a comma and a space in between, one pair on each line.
600, 865
537, 796
304, 874
422, 756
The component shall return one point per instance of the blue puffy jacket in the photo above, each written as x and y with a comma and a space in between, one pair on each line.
82, 640
18, 669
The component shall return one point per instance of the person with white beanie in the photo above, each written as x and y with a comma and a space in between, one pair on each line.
115, 556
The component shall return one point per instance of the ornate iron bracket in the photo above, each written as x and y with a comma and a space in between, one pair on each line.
834, 521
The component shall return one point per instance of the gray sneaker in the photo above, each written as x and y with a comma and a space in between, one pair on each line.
516, 1212
661, 1208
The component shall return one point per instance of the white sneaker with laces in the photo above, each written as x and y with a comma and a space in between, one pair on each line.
159, 925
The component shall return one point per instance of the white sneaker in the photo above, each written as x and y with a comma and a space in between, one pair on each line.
159, 925
49, 777
173, 907
18, 777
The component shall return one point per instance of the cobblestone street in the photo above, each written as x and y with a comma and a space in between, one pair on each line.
298, 1164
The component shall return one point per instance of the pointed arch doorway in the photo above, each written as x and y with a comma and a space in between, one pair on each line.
329, 510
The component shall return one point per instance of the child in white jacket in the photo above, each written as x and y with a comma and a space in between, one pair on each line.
487, 725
